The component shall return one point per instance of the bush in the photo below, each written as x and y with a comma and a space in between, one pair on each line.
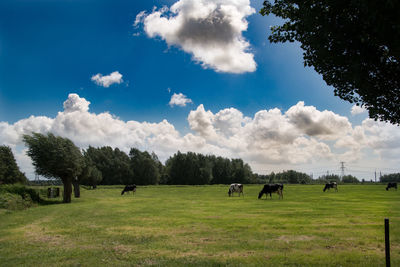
15, 202
15, 197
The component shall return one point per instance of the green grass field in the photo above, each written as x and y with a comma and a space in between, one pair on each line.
201, 225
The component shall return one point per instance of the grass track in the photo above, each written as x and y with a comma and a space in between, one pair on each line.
201, 225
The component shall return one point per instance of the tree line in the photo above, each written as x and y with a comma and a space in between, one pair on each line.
387, 178
59, 158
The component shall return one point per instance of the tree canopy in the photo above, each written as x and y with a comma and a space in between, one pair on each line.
9, 170
90, 175
354, 45
290, 176
197, 169
350, 179
392, 177
55, 157
146, 168
113, 164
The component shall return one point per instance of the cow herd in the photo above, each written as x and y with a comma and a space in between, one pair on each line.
267, 189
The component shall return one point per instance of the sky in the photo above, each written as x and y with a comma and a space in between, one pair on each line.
175, 75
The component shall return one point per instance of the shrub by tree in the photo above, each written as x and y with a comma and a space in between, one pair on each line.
55, 157
9, 170
354, 45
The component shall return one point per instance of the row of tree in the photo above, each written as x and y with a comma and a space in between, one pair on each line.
195, 169
291, 177
393, 177
142, 168
57, 157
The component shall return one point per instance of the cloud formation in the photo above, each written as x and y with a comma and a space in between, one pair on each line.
301, 135
324, 124
179, 100
210, 30
107, 80
355, 110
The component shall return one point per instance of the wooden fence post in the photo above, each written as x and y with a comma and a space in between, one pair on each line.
387, 243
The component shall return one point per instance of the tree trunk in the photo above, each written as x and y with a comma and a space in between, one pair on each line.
67, 191
77, 191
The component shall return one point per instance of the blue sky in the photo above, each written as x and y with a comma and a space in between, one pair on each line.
50, 49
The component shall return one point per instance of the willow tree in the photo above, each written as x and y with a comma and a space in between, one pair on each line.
55, 157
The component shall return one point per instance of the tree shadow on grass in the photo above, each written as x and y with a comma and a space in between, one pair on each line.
45, 202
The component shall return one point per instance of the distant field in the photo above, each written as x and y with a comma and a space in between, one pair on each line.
201, 225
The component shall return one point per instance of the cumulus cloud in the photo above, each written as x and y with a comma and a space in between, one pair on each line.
383, 138
355, 110
270, 138
179, 100
107, 80
75, 103
210, 30
313, 122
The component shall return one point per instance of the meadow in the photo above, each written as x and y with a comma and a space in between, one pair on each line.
202, 226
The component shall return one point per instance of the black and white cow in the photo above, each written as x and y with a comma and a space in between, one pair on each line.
238, 188
390, 185
330, 185
271, 188
129, 188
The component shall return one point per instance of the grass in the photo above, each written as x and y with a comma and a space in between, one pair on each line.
202, 226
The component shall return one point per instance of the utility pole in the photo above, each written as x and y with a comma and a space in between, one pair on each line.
342, 168
375, 175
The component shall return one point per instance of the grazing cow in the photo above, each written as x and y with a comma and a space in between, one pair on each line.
238, 188
271, 188
330, 185
390, 185
129, 188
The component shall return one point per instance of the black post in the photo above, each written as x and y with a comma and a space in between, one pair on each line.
387, 243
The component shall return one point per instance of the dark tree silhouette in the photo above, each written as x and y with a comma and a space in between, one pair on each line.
9, 170
353, 44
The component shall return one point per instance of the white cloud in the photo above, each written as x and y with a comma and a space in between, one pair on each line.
75, 103
107, 80
269, 140
355, 110
179, 100
210, 30
383, 138
139, 18
324, 124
